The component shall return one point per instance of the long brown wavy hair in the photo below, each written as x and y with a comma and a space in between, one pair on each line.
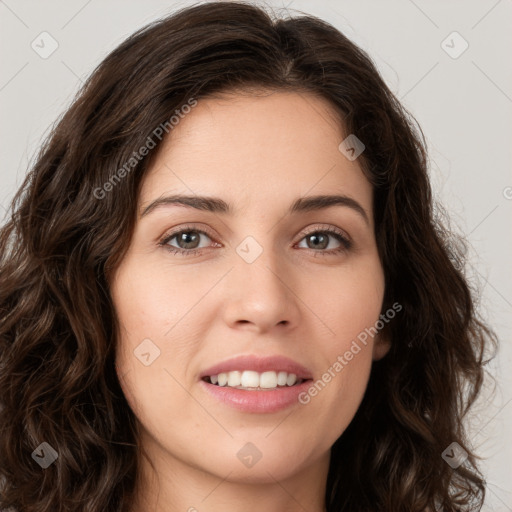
67, 230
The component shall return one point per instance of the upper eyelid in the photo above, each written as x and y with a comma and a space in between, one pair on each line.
309, 230
172, 233
326, 227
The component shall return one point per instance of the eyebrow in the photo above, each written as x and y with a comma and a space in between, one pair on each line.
217, 205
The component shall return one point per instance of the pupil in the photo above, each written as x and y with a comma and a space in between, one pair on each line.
186, 236
317, 237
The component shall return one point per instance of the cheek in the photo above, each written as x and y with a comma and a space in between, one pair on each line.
151, 308
348, 305
153, 303
335, 396
347, 301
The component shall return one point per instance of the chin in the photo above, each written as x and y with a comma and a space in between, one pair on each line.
262, 461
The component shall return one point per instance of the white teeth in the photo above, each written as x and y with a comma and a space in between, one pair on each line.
281, 378
268, 380
234, 379
291, 379
251, 379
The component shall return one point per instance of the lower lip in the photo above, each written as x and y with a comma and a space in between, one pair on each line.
273, 400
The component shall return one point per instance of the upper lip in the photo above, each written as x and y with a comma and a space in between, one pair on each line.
259, 364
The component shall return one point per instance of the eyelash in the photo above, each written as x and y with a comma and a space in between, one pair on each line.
346, 244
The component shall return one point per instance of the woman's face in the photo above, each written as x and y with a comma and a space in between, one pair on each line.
262, 283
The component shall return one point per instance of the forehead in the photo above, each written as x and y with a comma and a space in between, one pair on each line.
251, 148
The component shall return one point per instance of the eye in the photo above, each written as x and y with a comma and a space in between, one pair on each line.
188, 240
320, 239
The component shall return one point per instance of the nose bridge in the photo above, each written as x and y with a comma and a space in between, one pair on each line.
260, 264
260, 287
258, 231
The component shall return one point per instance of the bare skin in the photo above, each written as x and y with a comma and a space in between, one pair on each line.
298, 299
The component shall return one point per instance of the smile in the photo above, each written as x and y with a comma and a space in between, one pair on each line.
251, 380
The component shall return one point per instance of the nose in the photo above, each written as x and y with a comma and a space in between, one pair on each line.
260, 296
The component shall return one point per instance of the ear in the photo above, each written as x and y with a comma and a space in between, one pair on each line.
381, 346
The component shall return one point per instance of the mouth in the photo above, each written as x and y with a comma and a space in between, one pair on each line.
249, 380
252, 384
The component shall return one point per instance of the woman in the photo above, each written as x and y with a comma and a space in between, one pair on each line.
223, 286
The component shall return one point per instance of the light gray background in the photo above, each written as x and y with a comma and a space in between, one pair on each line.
463, 105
